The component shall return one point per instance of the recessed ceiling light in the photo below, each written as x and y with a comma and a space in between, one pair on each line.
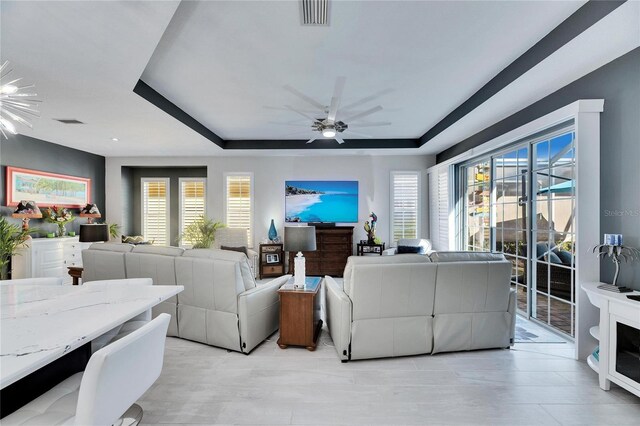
115, 139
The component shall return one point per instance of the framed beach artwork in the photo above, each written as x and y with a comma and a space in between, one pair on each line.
321, 201
46, 189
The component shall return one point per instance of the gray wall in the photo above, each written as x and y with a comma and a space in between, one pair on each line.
36, 154
618, 83
269, 174
132, 223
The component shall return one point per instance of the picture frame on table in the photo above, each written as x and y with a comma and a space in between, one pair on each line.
273, 258
47, 189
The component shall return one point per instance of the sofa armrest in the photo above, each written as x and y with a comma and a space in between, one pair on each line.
253, 261
258, 310
512, 312
390, 251
338, 312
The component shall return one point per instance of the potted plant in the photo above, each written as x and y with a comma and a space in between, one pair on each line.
201, 233
11, 238
60, 216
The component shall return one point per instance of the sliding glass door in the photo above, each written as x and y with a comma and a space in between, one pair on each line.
520, 202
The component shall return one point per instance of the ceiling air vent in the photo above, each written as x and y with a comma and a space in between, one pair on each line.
68, 120
314, 12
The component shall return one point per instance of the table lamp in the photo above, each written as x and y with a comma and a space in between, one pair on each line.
27, 210
90, 211
94, 232
299, 238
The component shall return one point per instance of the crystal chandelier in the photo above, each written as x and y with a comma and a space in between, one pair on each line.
16, 106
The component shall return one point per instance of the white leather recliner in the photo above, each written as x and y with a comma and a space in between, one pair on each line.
221, 305
407, 305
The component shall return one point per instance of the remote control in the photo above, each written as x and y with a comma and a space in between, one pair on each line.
615, 289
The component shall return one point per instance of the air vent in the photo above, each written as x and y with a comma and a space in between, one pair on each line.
68, 120
314, 12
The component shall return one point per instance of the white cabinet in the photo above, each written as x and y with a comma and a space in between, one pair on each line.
48, 257
619, 359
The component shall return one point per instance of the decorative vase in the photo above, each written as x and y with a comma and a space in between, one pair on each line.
62, 230
273, 234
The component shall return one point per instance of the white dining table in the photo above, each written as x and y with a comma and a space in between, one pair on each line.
39, 324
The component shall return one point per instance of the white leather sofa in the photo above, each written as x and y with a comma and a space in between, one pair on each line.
221, 305
237, 237
408, 304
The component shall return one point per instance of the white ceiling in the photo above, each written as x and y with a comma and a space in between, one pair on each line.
223, 62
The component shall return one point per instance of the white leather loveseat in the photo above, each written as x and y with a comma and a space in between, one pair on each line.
221, 305
408, 304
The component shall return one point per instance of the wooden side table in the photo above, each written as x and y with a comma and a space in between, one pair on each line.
300, 322
366, 248
76, 273
271, 260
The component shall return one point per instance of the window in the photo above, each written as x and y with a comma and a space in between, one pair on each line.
239, 201
192, 203
476, 178
155, 210
405, 205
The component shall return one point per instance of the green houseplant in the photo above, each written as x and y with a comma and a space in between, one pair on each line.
11, 238
201, 233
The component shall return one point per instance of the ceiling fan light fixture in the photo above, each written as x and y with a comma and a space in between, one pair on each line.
329, 132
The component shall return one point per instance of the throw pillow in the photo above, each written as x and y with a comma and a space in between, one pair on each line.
553, 258
240, 249
133, 239
565, 256
410, 249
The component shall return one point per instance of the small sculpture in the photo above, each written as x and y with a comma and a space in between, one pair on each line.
616, 253
370, 228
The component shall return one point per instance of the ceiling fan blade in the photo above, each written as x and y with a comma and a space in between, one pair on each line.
308, 111
288, 135
363, 114
312, 139
362, 135
304, 114
304, 97
335, 100
289, 123
339, 140
368, 98
370, 124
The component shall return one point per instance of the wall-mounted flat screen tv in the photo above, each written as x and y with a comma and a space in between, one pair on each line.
321, 201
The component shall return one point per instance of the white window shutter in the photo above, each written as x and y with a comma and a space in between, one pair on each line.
405, 205
439, 207
155, 210
239, 202
192, 203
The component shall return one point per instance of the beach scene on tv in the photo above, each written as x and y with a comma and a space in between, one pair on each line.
321, 201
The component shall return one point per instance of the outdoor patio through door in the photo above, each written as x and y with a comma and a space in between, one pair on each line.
521, 202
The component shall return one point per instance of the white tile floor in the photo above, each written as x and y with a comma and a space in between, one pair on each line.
532, 383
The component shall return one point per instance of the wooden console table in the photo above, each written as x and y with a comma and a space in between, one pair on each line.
300, 322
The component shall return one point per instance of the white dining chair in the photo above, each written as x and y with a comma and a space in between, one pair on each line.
115, 378
129, 326
33, 281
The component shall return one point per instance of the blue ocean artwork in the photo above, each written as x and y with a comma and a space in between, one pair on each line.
321, 201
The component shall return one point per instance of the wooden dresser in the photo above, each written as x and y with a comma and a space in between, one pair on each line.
334, 246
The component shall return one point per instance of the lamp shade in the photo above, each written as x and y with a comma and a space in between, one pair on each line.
90, 233
300, 238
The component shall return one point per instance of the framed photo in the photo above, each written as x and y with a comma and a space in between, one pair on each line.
273, 258
47, 189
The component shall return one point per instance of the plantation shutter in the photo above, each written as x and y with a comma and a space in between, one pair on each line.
239, 203
405, 205
192, 203
155, 210
439, 207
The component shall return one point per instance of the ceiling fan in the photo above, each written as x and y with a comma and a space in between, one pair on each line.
335, 120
